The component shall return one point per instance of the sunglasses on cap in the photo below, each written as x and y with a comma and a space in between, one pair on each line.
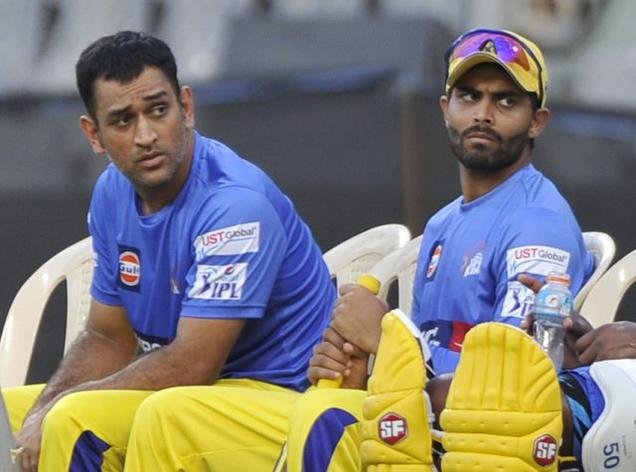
509, 49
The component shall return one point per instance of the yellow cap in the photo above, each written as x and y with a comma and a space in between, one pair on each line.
518, 56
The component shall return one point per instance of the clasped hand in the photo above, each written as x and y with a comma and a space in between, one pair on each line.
353, 334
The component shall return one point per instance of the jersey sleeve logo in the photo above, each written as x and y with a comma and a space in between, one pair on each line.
229, 241
540, 260
518, 302
219, 282
129, 268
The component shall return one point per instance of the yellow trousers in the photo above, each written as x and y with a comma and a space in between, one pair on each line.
234, 425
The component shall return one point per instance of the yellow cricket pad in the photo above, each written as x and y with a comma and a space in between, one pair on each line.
503, 411
396, 436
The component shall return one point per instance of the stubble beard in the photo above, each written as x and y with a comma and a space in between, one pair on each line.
175, 158
481, 158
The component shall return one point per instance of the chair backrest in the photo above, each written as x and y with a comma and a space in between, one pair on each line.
73, 264
603, 300
399, 266
355, 256
602, 247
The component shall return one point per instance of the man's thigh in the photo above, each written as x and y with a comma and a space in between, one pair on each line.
234, 425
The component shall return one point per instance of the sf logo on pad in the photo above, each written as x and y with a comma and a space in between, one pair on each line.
545, 450
392, 428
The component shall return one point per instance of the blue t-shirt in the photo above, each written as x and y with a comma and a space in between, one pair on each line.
471, 255
230, 245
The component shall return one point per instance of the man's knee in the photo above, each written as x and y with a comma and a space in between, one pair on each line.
166, 406
66, 411
156, 408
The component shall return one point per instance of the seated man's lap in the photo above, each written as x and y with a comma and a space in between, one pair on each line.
191, 428
325, 431
84, 427
233, 413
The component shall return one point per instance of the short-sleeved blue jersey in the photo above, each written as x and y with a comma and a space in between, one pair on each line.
471, 254
230, 245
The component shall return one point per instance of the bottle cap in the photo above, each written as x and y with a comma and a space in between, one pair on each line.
556, 278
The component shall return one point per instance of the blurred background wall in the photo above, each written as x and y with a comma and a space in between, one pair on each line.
336, 99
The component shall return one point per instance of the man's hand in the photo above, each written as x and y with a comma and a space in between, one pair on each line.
335, 358
530, 282
575, 326
107, 344
29, 440
610, 341
357, 317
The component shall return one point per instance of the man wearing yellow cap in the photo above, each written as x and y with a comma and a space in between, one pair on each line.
509, 220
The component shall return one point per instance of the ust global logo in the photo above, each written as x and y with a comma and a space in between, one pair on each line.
219, 282
129, 268
536, 260
545, 450
392, 428
228, 241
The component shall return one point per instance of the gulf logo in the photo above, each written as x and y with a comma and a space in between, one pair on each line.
432, 266
129, 268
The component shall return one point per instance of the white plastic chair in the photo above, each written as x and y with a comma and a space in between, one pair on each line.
602, 247
399, 266
602, 302
73, 264
355, 256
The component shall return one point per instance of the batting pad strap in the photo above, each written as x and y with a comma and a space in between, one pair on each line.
610, 444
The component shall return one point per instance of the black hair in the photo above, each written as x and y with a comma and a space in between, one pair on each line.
122, 57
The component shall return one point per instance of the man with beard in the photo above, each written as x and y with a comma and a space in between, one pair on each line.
509, 220
201, 264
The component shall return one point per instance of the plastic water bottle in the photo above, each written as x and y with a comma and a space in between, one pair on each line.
551, 305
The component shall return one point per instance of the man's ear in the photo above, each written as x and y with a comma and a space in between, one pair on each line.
89, 128
187, 103
443, 104
540, 120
